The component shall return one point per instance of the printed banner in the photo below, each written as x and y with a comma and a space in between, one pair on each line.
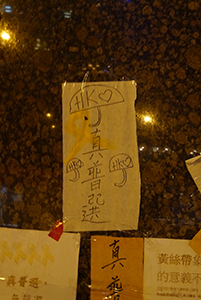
172, 270
33, 266
101, 179
116, 268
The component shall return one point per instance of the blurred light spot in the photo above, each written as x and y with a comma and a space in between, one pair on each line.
53, 126
38, 44
155, 149
142, 148
48, 115
5, 36
147, 119
67, 14
8, 9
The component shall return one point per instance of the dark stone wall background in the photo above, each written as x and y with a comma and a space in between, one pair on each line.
157, 43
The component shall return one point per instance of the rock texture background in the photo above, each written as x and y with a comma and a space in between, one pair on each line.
158, 44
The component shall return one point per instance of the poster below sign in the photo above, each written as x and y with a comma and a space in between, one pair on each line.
172, 270
116, 268
33, 266
101, 176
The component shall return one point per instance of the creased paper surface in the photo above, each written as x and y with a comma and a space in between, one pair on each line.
194, 167
33, 266
101, 179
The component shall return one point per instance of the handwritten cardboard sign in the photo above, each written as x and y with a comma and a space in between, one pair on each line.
33, 266
172, 270
101, 176
116, 268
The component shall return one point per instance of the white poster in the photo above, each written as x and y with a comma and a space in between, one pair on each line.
172, 270
193, 165
33, 266
101, 179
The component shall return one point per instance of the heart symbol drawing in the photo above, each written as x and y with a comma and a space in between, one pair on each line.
105, 96
128, 162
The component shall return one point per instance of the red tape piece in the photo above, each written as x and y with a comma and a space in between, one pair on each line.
56, 231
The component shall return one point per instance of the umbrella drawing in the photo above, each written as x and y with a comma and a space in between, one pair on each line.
74, 165
95, 96
121, 162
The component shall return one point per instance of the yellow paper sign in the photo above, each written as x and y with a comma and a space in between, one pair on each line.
195, 243
116, 268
